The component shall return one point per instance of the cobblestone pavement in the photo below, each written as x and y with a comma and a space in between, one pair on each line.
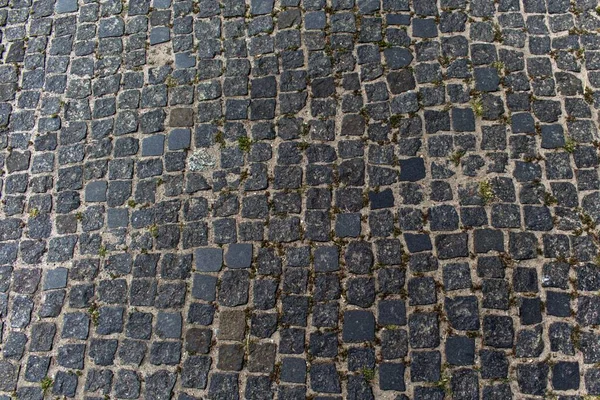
348, 199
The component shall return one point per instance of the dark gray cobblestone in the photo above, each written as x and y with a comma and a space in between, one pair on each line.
358, 199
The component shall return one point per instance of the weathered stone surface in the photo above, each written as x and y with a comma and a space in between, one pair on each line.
293, 199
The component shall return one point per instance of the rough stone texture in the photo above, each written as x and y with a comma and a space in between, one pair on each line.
297, 199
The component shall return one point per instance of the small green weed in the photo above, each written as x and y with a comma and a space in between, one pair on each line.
588, 95
570, 145
46, 384
486, 192
244, 143
477, 106
153, 229
395, 120
368, 373
456, 157
499, 65
94, 313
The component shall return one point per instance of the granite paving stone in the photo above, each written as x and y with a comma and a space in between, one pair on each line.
297, 199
